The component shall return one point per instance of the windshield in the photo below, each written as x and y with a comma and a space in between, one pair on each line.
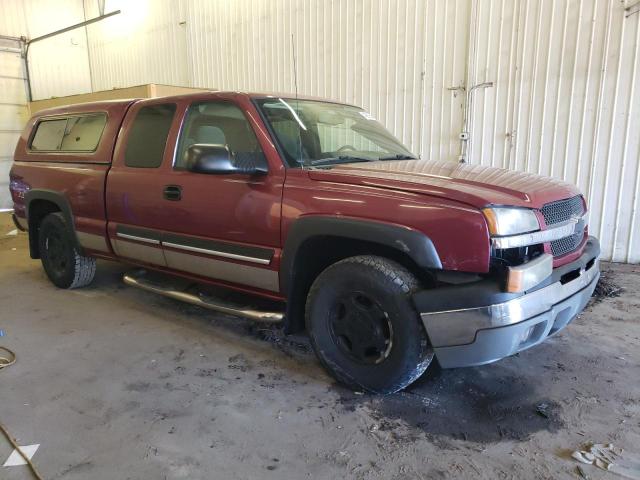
313, 133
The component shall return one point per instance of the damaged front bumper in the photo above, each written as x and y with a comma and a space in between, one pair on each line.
489, 324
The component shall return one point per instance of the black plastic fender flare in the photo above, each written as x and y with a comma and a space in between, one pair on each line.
413, 243
62, 203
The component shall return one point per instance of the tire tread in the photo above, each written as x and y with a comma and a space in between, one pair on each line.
408, 284
84, 267
84, 270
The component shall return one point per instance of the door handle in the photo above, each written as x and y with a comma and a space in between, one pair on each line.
172, 192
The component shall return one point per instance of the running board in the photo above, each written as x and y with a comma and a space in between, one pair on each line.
202, 300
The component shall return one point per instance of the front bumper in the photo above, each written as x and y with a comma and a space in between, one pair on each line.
489, 324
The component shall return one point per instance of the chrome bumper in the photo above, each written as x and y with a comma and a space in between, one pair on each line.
475, 336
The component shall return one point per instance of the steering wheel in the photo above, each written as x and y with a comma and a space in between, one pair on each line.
345, 148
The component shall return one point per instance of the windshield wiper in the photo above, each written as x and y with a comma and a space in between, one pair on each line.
340, 159
398, 157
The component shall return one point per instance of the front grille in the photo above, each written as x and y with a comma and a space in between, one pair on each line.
566, 244
563, 210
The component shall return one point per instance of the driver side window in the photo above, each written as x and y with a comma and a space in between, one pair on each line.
217, 123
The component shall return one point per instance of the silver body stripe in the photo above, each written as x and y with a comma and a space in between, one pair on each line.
261, 261
152, 241
223, 270
92, 241
136, 251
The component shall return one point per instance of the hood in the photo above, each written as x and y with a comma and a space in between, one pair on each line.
474, 185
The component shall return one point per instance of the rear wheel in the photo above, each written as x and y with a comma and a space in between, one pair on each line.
364, 327
64, 266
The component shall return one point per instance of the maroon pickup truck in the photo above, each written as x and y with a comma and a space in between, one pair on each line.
312, 208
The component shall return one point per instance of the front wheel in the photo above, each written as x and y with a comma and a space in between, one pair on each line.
64, 266
363, 326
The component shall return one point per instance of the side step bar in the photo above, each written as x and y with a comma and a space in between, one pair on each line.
203, 301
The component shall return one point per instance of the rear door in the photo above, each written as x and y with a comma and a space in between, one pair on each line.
134, 195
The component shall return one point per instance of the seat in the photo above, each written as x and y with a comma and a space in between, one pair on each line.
210, 134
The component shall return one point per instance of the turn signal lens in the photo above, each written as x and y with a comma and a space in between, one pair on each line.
528, 275
492, 221
515, 282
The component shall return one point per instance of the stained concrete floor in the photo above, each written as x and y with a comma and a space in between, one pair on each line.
118, 383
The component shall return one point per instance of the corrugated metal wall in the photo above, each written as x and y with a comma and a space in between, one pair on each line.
59, 65
566, 103
564, 100
386, 56
13, 111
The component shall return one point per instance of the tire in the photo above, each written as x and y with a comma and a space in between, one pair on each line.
363, 326
64, 266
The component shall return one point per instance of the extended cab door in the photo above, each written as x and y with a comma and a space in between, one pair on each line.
224, 228
133, 203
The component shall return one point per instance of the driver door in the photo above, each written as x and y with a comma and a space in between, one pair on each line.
222, 227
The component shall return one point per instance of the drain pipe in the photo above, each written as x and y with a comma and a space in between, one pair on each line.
465, 134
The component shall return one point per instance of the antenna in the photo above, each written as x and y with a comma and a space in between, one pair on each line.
295, 67
295, 85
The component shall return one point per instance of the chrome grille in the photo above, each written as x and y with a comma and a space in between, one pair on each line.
562, 210
566, 244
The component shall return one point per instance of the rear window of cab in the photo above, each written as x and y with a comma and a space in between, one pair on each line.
72, 133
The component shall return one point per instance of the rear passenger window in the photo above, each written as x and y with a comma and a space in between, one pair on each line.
83, 133
49, 135
77, 133
148, 136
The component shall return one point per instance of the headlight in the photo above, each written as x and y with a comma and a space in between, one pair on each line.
510, 221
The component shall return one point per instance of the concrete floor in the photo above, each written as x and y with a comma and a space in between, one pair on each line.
118, 383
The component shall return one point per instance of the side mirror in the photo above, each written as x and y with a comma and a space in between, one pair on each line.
218, 160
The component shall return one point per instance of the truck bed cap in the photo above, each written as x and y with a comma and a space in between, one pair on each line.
84, 107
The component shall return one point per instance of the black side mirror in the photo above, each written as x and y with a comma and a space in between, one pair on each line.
218, 160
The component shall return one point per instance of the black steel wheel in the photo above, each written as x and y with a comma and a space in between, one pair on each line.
363, 325
361, 328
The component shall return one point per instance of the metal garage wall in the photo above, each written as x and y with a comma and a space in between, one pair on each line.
146, 43
383, 55
13, 111
59, 65
564, 101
